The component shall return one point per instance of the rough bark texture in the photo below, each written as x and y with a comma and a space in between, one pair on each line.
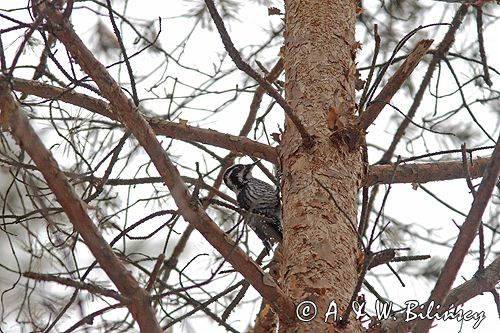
320, 245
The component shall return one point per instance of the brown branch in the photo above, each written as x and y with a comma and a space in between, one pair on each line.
480, 41
394, 83
89, 319
237, 144
244, 288
373, 65
233, 143
439, 54
41, 68
228, 160
473, 192
257, 97
380, 258
69, 8
481, 282
307, 139
191, 211
26, 38
124, 52
423, 172
75, 209
468, 232
91, 288
169, 129
154, 273
121, 181
114, 158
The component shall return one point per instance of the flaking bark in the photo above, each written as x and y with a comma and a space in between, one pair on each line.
320, 243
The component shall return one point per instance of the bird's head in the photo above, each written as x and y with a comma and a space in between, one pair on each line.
237, 175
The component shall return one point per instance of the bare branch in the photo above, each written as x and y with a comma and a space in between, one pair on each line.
194, 214
481, 282
439, 54
480, 41
124, 52
242, 65
74, 208
92, 288
368, 82
473, 192
257, 97
424, 172
154, 273
468, 232
394, 83
169, 129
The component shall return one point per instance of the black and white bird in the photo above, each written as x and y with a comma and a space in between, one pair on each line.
258, 198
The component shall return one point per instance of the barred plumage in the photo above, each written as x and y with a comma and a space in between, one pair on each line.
257, 197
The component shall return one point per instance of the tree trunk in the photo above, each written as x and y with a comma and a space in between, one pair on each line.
320, 185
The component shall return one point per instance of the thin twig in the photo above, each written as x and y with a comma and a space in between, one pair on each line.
480, 41
154, 273
257, 97
474, 193
76, 211
3, 62
442, 152
464, 101
465, 165
439, 54
26, 38
124, 51
364, 96
114, 158
137, 124
89, 319
237, 299
91, 288
237, 144
386, 195
480, 283
307, 139
467, 234
394, 83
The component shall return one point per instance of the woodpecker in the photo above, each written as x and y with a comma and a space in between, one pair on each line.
258, 198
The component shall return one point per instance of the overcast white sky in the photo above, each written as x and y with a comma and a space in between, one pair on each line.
408, 205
